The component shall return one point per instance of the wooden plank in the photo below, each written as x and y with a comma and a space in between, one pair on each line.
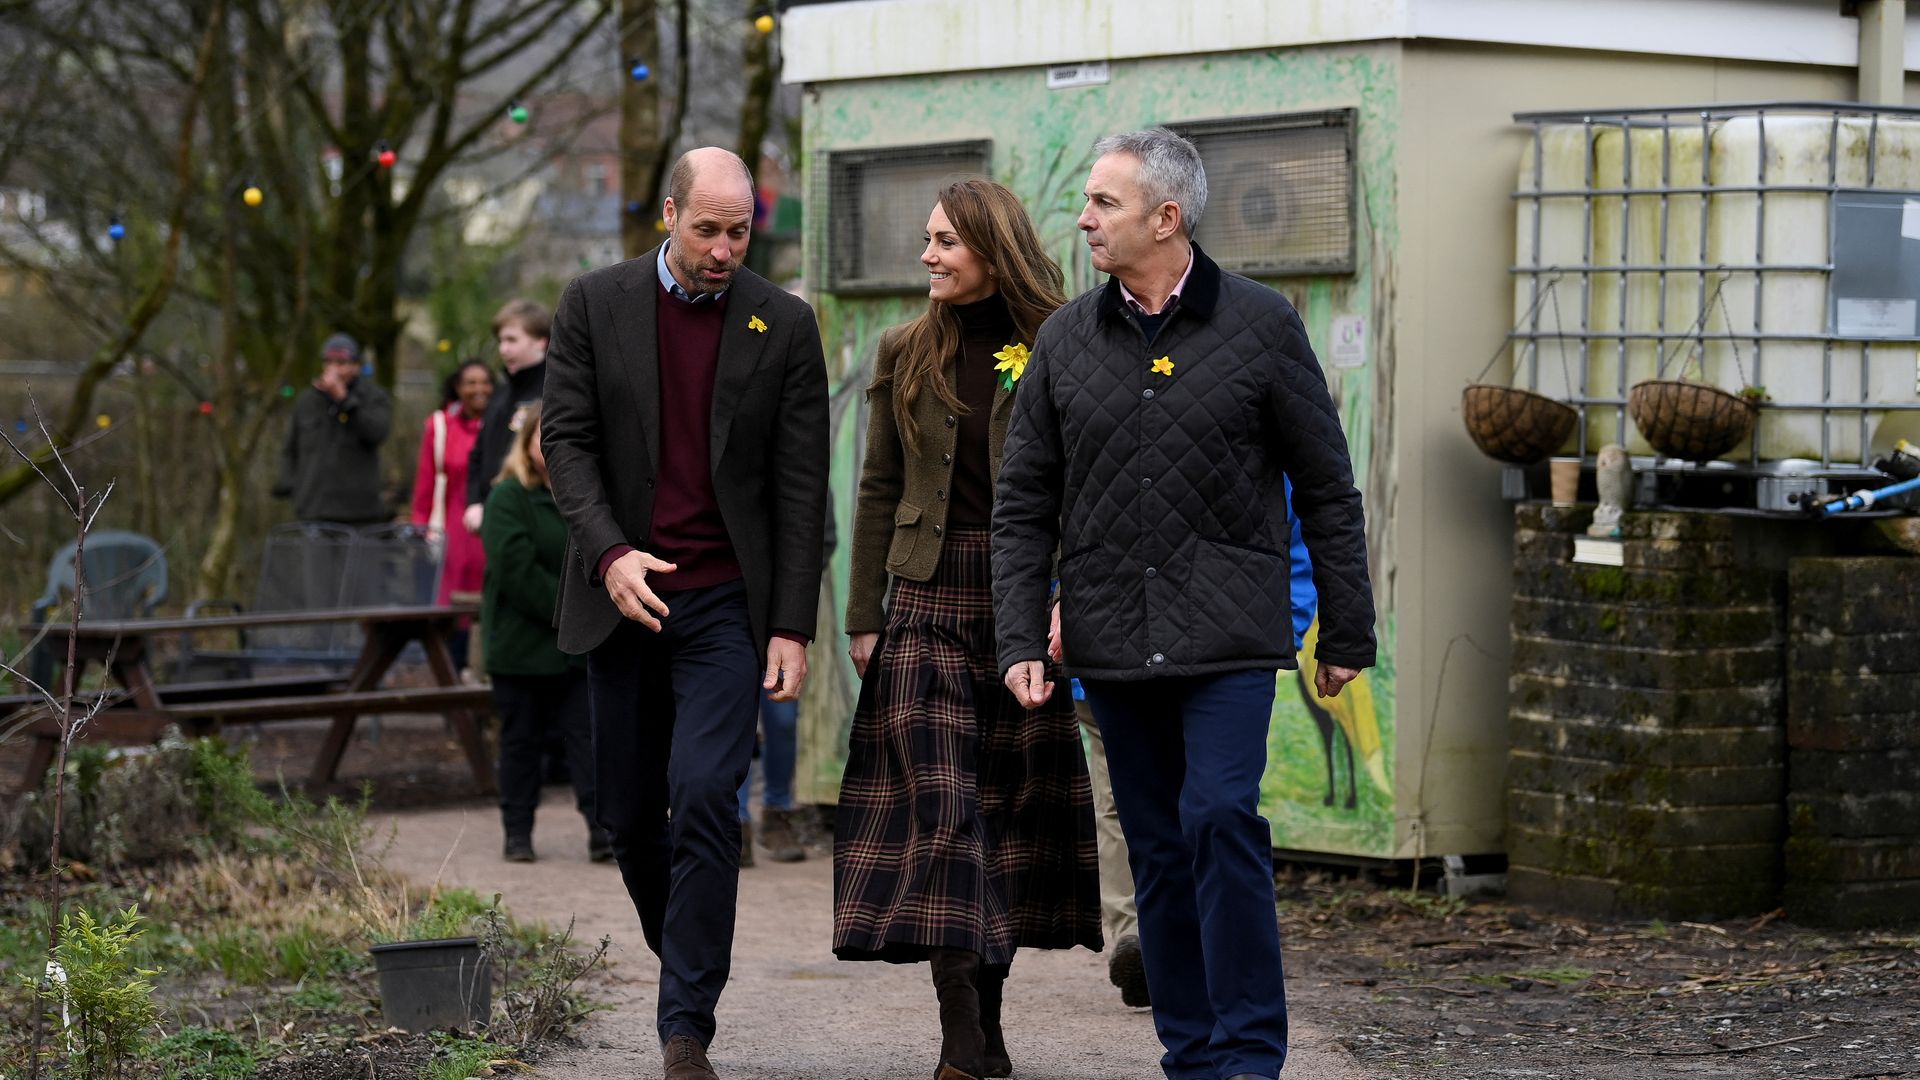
426, 699
117, 628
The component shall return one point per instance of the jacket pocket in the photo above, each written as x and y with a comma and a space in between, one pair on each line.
1241, 604
1094, 623
906, 536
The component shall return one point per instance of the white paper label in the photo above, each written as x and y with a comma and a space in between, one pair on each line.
1910, 219
1067, 76
1855, 317
1349, 348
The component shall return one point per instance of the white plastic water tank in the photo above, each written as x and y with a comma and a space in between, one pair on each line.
1711, 245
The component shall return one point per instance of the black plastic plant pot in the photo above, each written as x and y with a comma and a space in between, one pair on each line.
434, 985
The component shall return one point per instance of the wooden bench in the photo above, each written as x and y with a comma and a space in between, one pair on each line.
213, 710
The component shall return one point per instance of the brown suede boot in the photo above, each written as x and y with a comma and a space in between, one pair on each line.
778, 837
956, 973
993, 1059
687, 1059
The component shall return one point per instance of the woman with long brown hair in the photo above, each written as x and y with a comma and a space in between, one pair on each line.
965, 825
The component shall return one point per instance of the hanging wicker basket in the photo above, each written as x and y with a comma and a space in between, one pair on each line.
1513, 425
1689, 421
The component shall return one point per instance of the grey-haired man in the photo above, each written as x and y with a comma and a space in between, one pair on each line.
1164, 413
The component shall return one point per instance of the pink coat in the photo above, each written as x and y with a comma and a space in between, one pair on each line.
466, 559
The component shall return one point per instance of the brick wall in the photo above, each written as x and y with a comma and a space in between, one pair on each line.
1853, 732
1647, 773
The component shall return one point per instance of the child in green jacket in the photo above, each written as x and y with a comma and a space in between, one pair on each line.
536, 687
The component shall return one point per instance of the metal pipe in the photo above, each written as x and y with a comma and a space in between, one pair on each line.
1759, 295
1718, 189
1626, 242
1586, 280
1674, 335
1533, 347
1721, 109
1675, 268
1883, 40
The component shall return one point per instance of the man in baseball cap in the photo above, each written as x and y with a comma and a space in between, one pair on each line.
330, 466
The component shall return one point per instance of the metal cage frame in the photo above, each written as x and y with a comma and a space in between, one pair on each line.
1665, 119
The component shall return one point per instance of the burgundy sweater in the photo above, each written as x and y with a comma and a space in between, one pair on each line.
688, 530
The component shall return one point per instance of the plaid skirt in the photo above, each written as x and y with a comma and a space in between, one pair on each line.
965, 821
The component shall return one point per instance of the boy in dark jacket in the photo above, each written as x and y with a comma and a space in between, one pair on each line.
520, 332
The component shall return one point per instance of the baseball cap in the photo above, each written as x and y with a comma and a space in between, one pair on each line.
341, 347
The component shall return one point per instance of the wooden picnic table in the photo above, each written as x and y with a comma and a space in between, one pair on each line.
125, 647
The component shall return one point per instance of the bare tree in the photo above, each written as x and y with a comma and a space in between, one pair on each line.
646, 142
62, 704
303, 100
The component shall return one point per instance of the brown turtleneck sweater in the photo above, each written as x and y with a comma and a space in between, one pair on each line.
986, 327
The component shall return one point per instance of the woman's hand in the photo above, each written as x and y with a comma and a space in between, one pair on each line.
860, 650
1054, 649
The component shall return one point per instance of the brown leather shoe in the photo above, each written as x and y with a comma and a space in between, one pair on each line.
687, 1060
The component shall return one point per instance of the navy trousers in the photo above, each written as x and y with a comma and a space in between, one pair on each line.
673, 721
1186, 755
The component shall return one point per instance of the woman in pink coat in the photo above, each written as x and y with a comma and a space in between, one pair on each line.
440, 481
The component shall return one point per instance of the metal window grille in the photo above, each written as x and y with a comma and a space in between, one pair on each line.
877, 204
1279, 192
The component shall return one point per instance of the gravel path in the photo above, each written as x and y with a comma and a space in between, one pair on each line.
791, 1011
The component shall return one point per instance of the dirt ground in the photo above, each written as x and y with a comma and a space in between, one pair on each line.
1382, 982
1418, 985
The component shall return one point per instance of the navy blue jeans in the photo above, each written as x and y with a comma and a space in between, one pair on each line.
673, 720
1186, 755
779, 749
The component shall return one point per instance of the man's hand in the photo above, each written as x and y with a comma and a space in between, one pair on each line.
1331, 677
1028, 681
471, 519
328, 384
626, 582
786, 669
1054, 649
860, 650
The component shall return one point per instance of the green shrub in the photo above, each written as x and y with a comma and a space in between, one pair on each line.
108, 1000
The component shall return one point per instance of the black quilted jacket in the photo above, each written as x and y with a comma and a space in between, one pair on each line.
1165, 492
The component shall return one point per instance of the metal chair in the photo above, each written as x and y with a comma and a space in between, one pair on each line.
126, 579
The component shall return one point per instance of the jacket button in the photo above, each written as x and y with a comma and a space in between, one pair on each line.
949, 421
946, 459
941, 495
1158, 658
936, 530
1151, 572
1146, 481
649, 482
1147, 394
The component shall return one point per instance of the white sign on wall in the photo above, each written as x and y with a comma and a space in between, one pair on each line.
1067, 76
1348, 349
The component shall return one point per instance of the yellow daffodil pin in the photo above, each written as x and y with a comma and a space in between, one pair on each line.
1012, 365
1163, 366
754, 324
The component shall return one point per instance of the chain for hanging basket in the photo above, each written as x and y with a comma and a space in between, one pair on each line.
1507, 423
1688, 420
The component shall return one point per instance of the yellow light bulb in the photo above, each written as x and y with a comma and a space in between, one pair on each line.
764, 24
253, 196
445, 345
103, 420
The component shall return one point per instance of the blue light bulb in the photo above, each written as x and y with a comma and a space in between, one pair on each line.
116, 231
639, 71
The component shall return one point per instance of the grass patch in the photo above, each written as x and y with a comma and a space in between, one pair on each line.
197, 1053
1557, 976
456, 1058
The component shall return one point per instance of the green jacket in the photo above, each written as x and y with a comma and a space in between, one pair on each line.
526, 542
899, 520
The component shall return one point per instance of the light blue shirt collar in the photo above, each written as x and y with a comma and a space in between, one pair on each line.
673, 286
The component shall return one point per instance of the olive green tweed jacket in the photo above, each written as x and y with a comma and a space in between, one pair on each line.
900, 518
